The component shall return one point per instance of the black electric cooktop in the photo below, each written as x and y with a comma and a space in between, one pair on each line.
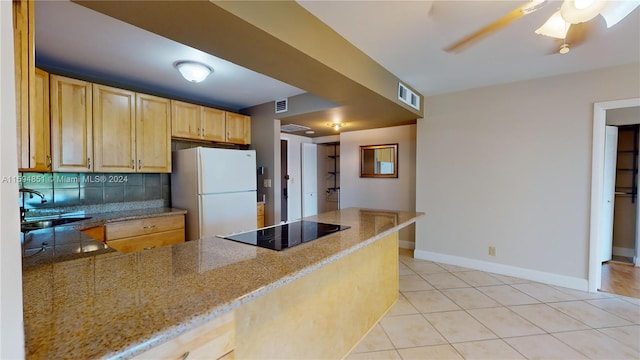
284, 236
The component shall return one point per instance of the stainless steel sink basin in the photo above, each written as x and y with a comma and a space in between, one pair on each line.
43, 224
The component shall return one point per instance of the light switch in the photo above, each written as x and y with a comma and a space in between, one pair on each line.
266, 183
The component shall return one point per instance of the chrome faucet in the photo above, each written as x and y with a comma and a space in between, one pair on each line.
23, 211
31, 192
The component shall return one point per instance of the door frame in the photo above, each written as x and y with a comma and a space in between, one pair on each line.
597, 184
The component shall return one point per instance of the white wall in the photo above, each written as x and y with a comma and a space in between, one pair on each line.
391, 194
294, 202
11, 323
509, 166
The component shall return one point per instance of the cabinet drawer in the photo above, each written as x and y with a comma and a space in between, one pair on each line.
146, 242
125, 229
213, 340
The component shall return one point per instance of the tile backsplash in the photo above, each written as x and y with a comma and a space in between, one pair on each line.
73, 189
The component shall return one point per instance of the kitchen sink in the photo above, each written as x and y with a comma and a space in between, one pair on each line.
43, 224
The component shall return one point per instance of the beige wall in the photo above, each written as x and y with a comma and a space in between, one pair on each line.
510, 166
392, 194
11, 328
265, 139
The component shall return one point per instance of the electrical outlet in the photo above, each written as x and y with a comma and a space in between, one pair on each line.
492, 251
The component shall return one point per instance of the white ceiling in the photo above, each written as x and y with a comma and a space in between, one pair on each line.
406, 37
71, 36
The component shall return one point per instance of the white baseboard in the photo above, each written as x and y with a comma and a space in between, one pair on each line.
406, 244
626, 252
508, 270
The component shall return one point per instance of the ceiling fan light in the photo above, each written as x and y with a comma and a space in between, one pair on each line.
193, 71
579, 11
555, 27
615, 11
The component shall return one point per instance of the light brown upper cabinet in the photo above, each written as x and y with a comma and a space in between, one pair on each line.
185, 120
131, 131
39, 124
114, 129
32, 94
238, 128
106, 129
197, 122
71, 124
213, 124
153, 134
23, 35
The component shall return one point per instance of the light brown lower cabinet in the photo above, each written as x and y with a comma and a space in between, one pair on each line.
96, 232
260, 219
144, 234
213, 340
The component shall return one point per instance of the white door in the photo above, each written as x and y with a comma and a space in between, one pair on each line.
309, 179
608, 196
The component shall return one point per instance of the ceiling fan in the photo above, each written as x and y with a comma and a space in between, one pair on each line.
567, 24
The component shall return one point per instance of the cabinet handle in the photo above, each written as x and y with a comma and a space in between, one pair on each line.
49, 161
88, 163
149, 227
202, 132
139, 164
133, 164
185, 356
153, 247
199, 132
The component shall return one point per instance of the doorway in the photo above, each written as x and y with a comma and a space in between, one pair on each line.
598, 214
284, 180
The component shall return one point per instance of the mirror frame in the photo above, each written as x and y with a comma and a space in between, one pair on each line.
364, 174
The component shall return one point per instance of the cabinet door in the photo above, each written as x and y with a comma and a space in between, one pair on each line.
238, 128
71, 126
153, 134
213, 124
23, 14
39, 124
114, 129
185, 120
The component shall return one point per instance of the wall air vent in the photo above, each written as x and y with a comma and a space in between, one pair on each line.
293, 128
282, 105
408, 97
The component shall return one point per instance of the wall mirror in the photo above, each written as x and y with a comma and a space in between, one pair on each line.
379, 161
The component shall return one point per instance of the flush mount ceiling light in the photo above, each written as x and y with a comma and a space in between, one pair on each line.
193, 71
336, 125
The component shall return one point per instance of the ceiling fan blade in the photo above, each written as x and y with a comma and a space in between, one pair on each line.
515, 14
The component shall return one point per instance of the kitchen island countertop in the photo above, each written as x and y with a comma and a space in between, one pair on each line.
115, 305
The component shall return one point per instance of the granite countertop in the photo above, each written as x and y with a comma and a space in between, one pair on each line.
114, 305
67, 242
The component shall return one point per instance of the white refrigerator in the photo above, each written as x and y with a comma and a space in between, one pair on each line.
217, 187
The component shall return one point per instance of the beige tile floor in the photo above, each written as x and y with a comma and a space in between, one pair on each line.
450, 312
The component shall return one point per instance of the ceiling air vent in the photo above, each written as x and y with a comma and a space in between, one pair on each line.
293, 128
282, 106
408, 97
